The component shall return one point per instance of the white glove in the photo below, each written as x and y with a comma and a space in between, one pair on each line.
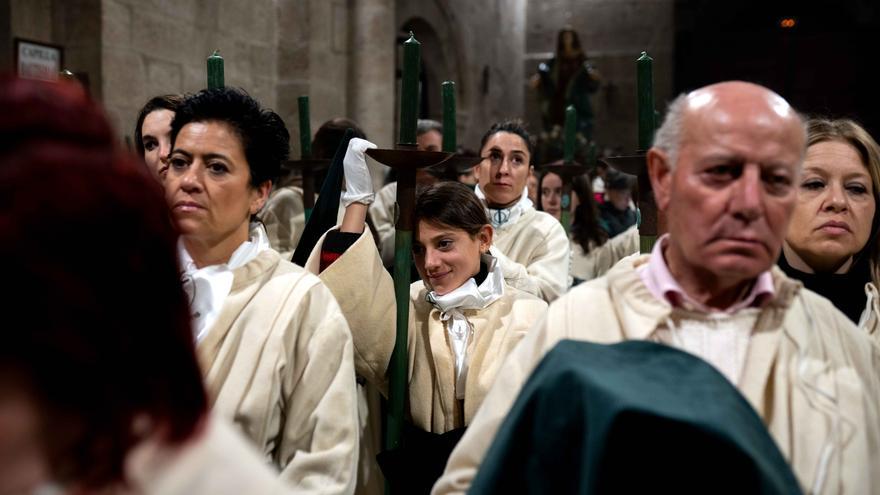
358, 184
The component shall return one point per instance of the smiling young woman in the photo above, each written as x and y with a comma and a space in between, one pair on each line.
464, 317
831, 245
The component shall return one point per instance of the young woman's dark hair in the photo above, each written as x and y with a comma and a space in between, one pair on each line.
513, 126
105, 351
451, 204
585, 228
264, 137
164, 102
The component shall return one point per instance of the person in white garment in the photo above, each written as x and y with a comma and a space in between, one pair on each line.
724, 169
530, 245
464, 318
100, 392
274, 346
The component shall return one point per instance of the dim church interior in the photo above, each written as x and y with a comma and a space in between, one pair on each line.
342, 53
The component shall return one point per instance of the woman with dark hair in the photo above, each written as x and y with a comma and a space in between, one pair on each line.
152, 132
592, 252
464, 317
550, 194
530, 245
832, 245
275, 349
84, 407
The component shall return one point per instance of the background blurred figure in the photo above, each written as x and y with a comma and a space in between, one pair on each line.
616, 213
467, 176
550, 194
152, 132
831, 245
567, 79
531, 186
284, 212
592, 252
85, 406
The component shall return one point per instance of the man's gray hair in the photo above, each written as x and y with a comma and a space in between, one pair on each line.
669, 135
428, 125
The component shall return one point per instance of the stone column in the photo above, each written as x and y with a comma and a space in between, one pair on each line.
371, 73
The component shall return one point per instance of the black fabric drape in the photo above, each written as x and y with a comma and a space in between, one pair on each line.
326, 207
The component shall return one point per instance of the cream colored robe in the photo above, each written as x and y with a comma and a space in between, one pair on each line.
534, 254
284, 218
870, 320
218, 461
382, 214
807, 370
278, 362
594, 264
370, 308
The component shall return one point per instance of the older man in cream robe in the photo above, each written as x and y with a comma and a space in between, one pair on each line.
725, 167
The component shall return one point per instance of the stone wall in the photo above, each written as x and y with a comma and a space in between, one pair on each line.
613, 33
342, 53
153, 47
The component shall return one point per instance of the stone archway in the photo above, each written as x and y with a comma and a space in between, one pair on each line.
443, 58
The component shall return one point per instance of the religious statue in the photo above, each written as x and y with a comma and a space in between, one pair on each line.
567, 79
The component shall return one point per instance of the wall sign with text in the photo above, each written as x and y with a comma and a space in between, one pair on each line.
38, 60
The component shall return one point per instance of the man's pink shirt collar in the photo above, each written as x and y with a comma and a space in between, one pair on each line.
662, 285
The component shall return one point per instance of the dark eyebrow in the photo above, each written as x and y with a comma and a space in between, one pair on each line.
182, 152
207, 156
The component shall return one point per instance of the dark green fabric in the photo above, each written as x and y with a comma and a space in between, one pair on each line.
633, 417
326, 207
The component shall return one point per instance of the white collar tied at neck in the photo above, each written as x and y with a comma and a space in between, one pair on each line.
207, 287
451, 307
501, 217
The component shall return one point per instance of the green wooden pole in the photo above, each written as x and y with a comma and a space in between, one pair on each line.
568, 157
645, 83
569, 135
449, 131
406, 189
305, 146
409, 91
215, 71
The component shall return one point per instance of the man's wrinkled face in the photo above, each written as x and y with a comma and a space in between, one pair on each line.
730, 196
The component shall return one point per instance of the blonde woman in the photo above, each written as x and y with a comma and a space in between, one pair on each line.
831, 245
